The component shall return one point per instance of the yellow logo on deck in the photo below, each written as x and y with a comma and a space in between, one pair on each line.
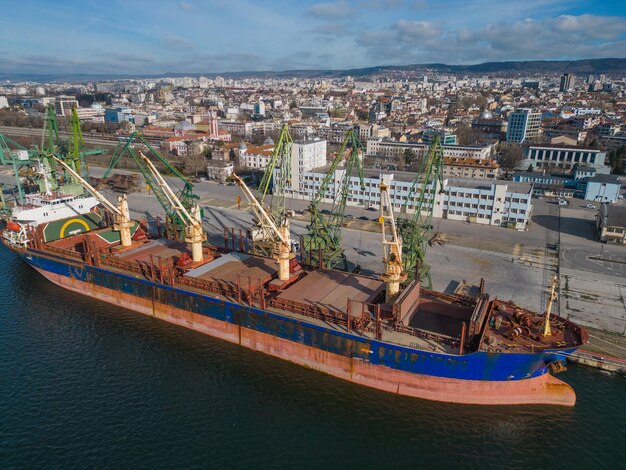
71, 221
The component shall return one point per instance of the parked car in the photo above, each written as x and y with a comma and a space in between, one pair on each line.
348, 216
372, 209
563, 202
590, 206
325, 211
363, 218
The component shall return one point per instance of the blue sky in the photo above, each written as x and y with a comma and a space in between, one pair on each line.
159, 36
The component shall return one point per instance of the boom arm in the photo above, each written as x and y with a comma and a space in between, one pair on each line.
260, 210
103, 200
325, 233
415, 231
173, 199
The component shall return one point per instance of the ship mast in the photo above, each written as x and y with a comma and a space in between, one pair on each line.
394, 273
194, 233
282, 247
121, 214
547, 331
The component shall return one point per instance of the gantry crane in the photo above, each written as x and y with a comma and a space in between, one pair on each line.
415, 231
191, 219
75, 153
278, 171
321, 245
175, 226
121, 215
280, 233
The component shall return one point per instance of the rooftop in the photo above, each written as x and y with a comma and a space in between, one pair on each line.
617, 216
606, 179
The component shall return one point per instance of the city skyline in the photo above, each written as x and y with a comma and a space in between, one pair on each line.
217, 36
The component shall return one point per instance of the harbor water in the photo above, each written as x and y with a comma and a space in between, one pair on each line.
86, 384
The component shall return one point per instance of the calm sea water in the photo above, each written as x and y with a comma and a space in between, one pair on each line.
84, 384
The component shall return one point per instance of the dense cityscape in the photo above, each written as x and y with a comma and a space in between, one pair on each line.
553, 135
337, 234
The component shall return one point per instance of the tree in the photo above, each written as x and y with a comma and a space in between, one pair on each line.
409, 157
511, 156
531, 168
467, 135
617, 159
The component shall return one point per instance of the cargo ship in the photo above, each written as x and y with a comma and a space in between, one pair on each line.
381, 332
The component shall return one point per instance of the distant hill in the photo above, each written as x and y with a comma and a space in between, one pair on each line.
610, 66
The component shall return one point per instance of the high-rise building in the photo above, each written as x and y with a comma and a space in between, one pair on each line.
524, 124
568, 81
63, 105
306, 155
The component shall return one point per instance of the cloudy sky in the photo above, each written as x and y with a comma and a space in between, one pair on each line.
159, 36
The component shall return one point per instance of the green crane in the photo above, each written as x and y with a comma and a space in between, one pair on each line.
75, 153
50, 144
276, 178
323, 235
175, 227
8, 147
415, 231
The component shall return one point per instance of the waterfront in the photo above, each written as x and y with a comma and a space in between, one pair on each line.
88, 384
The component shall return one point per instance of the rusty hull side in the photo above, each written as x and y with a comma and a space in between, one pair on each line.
543, 389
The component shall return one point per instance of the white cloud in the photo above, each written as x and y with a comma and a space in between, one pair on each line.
339, 9
561, 37
178, 43
416, 30
381, 4
186, 5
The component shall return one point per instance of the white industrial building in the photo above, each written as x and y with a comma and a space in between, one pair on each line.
394, 149
499, 203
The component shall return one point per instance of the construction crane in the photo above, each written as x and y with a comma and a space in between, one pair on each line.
50, 139
394, 273
75, 152
192, 218
175, 226
121, 215
282, 246
278, 171
9, 149
321, 245
415, 231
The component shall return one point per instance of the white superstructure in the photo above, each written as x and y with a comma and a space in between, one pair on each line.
42, 208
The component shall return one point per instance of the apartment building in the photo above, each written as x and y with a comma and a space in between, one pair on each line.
470, 168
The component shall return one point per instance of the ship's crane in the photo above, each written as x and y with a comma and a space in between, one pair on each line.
280, 233
278, 171
192, 218
121, 215
175, 226
395, 273
324, 234
415, 231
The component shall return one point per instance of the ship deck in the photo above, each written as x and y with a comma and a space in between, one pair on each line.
431, 321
